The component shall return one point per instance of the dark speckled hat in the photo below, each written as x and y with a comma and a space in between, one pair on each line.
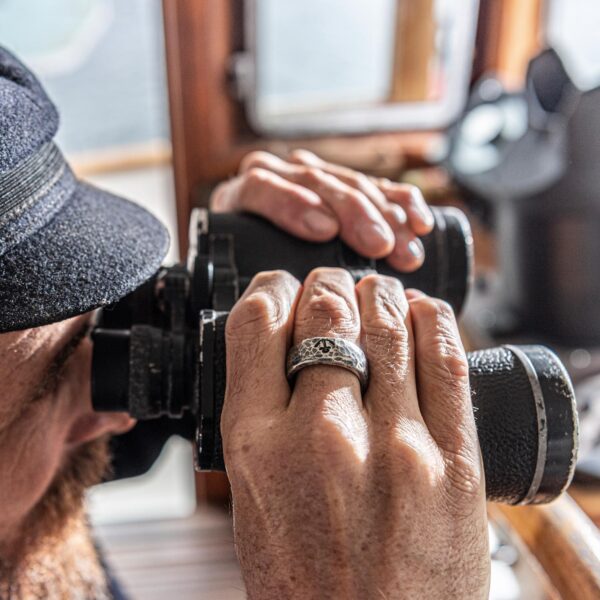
65, 246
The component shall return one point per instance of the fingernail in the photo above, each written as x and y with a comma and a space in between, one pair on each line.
412, 248
398, 214
426, 214
372, 234
319, 222
415, 248
421, 207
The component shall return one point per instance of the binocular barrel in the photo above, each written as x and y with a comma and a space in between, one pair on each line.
161, 350
524, 408
257, 245
523, 403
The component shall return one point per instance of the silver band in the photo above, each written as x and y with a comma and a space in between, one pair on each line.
335, 352
542, 420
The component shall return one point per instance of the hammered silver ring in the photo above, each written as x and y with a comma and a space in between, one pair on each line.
335, 352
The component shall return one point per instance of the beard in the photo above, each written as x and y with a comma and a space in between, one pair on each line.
55, 556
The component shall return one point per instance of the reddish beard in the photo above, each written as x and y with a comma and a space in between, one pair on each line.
54, 542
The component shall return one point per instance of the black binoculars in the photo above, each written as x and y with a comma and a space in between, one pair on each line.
161, 350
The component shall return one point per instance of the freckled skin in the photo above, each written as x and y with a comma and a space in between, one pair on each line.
343, 495
37, 438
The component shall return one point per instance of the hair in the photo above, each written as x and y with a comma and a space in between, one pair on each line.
54, 555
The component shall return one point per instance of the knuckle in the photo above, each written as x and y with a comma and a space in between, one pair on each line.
330, 445
327, 302
254, 178
298, 154
463, 481
447, 366
409, 459
361, 181
313, 175
452, 361
328, 308
384, 317
273, 279
409, 445
411, 189
434, 309
388, 305
258, 312
321, 437
448, 359
386, 339
330, 274
414, 467
253, 159
356, 197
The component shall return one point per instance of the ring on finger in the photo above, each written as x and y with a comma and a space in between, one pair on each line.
336, 352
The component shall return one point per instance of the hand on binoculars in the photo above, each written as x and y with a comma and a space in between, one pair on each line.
317, 201
338, 494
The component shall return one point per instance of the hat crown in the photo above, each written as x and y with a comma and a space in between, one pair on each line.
28, 118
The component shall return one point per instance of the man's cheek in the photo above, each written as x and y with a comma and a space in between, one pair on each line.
30, 456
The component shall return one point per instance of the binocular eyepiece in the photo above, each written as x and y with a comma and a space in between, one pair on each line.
161, 350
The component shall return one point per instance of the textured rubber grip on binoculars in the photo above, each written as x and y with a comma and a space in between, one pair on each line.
526, 419
524, 409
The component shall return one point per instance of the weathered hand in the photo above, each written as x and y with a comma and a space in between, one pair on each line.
316, 200
340, 495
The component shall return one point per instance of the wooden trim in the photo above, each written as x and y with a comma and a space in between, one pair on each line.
508, 36
414, 46
124, 158
202, 115
566, 543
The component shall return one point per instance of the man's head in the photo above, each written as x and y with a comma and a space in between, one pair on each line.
66, 248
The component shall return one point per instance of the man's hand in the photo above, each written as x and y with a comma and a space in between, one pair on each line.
317, 201
343, 495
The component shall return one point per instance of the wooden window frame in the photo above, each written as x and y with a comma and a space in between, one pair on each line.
209, 132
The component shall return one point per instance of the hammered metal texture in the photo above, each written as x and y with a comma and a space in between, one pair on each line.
336, 352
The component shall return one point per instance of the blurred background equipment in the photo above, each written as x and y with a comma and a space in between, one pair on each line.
530, 159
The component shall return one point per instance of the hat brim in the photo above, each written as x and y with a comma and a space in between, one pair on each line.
94, 251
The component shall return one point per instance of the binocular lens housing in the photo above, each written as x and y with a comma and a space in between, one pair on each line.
145, 371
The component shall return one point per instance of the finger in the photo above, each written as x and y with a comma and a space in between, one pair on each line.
410, 198
293, 208
413, 294
442, 374
408, 253
388, 343
327, 308
258, 334
393, 213
362, 225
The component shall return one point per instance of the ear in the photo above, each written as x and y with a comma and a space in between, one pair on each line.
93, 425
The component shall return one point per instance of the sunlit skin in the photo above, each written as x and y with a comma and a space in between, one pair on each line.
317, 201
45, 413
355, 494
375, 495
